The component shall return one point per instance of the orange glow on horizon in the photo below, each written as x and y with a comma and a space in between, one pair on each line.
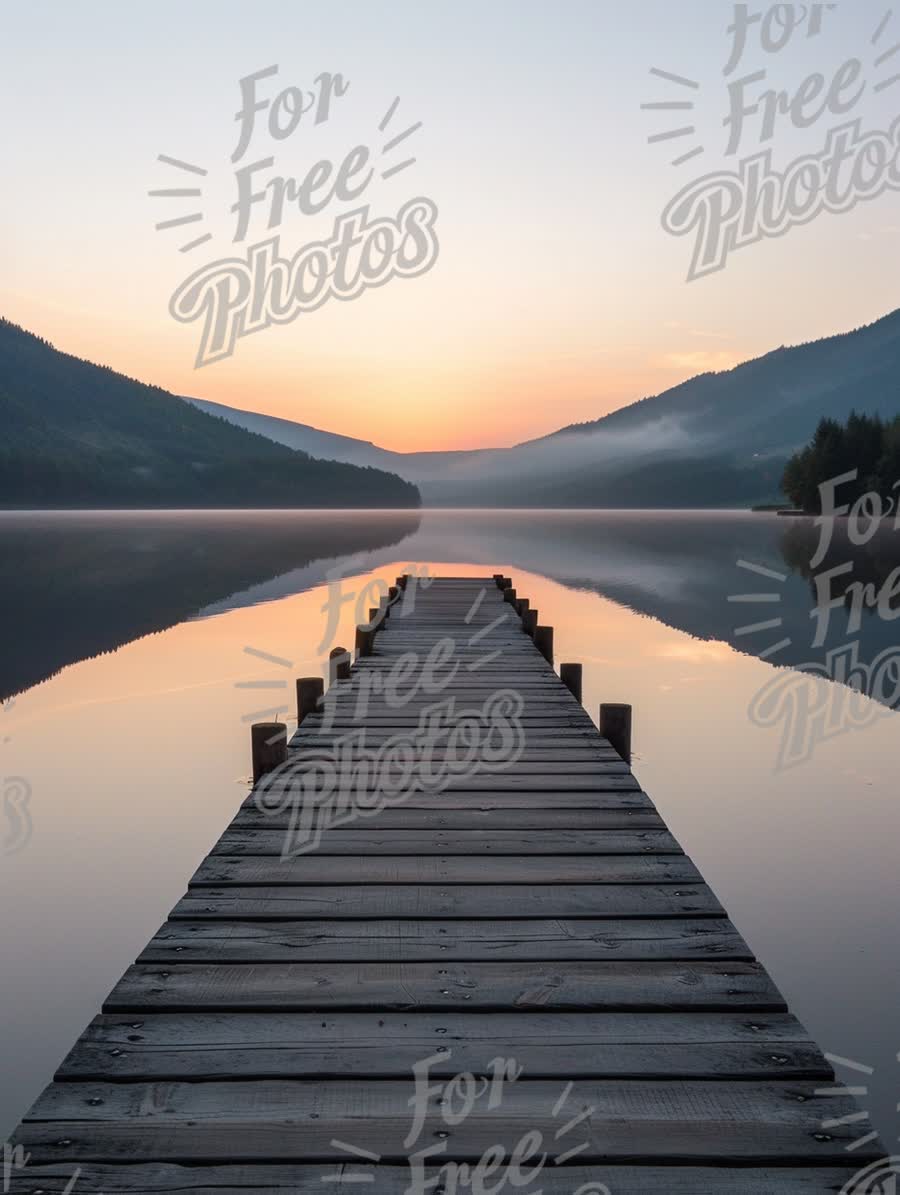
473, 403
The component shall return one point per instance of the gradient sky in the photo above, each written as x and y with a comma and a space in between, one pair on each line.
557, 295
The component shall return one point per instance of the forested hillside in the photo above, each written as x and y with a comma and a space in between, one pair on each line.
78, 434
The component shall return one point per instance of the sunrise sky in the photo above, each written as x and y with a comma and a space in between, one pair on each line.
556, 296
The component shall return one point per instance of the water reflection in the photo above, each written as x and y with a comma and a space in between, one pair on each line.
740, 578
75, 585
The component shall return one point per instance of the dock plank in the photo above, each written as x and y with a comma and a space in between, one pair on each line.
379, 901
274, 1120
388, 1045
645, 986
173, 1179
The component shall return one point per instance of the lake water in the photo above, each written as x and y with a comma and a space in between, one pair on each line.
134, 645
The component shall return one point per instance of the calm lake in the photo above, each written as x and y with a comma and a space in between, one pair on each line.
137, 648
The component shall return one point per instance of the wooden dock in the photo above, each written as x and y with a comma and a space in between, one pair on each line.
543, 913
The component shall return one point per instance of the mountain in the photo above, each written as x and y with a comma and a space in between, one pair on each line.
719, 439
411, 465
735, 429
78, 434
300, 436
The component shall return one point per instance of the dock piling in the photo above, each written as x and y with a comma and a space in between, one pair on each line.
615, 725
338, 665
310, 691
268, 741
571, 676
365, 639
543, 641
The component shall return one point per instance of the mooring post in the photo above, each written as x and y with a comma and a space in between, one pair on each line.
522, 606
509, 596
310, 691
505, 583
543, 641
498, 577
402, 580
393, 594
268, 745
615, 725
570, 675
338, 665
529, 622
365, 638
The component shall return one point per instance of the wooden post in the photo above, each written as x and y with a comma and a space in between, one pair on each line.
498, 578
268, 743
393, 593
310, 691
529, 622
505, 583
374, 611
338, 665
365, 638
543, 641
570, 675
402, 580
509, 595
522, 606
615, 725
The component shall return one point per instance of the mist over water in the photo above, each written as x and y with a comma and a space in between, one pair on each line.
123, 641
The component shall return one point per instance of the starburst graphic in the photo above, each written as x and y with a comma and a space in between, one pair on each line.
886, 56
771, 597
279, 661
679, 105
853, 1089
182, 193
391, 145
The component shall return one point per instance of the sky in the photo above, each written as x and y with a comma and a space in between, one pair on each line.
553, 293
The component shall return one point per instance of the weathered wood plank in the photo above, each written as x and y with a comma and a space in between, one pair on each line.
315, 868
388, 1045
170, 1179
433, 900
539, 737
711, 986
608, 799
354, 840
561, 758
464, 939
402, 817
276, 1120
487, 782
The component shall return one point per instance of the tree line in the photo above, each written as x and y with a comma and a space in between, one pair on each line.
866, 443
